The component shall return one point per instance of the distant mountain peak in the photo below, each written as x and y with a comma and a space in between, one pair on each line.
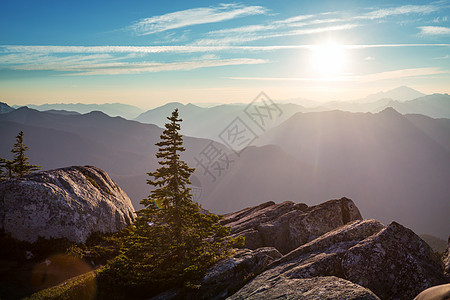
172, 104
97, 113
403, 88
401, 93
5, 108
389, 111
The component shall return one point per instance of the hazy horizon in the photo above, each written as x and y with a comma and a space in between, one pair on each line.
149, 54
149, 106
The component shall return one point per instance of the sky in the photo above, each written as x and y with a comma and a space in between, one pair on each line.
147, 53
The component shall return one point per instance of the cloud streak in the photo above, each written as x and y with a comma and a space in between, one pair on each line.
106, 65
434, 30
400, 10
389, 75
53, 49
252, 36
194, 16
306, 25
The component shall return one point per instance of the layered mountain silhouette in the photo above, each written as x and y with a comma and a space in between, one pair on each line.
125, 149
401, 94
112, 109
435, 106
210, 122
5, 108
395, 166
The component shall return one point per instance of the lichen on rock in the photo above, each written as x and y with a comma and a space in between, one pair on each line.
70, 203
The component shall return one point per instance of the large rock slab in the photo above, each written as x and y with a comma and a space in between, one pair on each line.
232, 273
67, 203
394, 263
287, 225
446, 260
347, 235
318, 258
306, 288
439, 292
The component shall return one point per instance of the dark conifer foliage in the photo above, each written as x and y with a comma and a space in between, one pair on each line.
3, 169
20, 164
172, 242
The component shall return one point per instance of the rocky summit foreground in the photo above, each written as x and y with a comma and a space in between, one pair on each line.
70, 203
325, 251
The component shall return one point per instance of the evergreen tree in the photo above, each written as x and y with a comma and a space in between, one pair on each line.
3, 169
172, 242
20, 165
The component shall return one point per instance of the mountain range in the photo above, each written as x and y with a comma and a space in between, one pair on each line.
394, 166
210, 122
112, 109
125, 149
200, 117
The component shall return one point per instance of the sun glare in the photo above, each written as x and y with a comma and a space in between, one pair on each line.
329, 59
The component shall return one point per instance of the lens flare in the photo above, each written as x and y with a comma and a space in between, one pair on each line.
61, 267
158, 203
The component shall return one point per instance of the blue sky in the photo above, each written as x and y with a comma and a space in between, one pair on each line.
147, 53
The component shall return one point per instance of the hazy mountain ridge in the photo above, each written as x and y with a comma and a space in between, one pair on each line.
389, 161
435, 106
401, 93
383, 157
5, 108
209, 122
125, 149
112, 109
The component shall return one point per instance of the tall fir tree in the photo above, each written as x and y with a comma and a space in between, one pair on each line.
3, 169
172, 242
20, 165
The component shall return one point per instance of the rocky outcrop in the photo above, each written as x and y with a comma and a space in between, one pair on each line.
307, 288
439, 292
390, 262
227, 276
446, 260
394, 263
231, 274
287, 226
318, 258
67, 203
323, 256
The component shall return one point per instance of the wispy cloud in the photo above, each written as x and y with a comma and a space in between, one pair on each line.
134, 68
110, 65
306, 25
45, 59
400, 10
440, 19
227, 39
404, 73
12, 52
442, 57
389, 75
293, 26
434, 30
194, 16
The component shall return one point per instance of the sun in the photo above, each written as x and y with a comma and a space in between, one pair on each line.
328, 59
